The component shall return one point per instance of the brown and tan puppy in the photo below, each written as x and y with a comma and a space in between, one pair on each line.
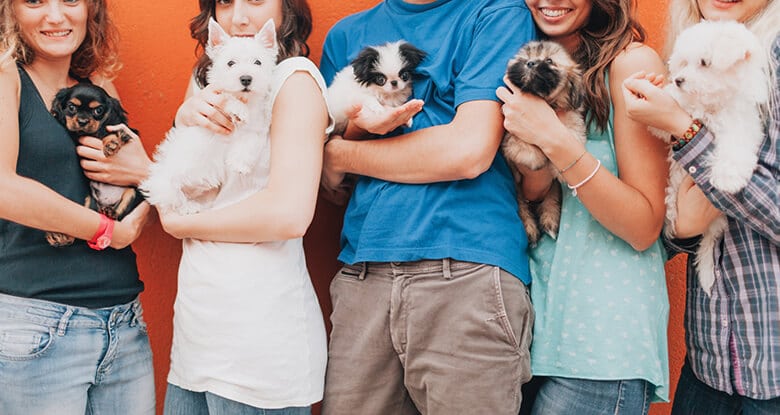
546, 70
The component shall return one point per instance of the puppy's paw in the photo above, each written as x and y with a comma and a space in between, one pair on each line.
57, 239
238, 111
111, 144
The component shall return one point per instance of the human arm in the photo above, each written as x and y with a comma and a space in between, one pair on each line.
757, 204
32, 204
284, 209
203, 107
631, 204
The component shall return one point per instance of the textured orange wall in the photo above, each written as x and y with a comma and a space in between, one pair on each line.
158, 54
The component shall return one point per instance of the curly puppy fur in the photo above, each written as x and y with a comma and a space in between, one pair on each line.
719, 75
546, 70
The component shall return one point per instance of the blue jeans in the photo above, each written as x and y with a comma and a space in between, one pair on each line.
180, 401
60, 359
564, 396
694, 397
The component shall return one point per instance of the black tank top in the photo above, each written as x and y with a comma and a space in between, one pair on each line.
29, 266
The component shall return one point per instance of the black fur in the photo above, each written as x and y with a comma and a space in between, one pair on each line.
365, 64
412, 56
534, 76
87, 93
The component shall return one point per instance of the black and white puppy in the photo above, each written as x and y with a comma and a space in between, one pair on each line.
378, 78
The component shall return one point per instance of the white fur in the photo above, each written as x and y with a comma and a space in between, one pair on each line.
192, 163
345, 92
726, 95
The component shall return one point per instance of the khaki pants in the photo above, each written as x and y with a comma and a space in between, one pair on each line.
431, 337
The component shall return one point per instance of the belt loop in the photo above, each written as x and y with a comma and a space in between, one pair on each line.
363, 271
64, 321
445, 264
136, 308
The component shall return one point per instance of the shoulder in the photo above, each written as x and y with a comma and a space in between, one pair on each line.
106, 84
298, 71
636, 57
10, 83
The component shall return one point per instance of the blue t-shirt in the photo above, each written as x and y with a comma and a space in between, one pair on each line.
468, 46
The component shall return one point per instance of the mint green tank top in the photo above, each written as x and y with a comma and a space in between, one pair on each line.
601, 307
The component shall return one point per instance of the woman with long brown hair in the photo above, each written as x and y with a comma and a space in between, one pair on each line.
599, 288
249, 337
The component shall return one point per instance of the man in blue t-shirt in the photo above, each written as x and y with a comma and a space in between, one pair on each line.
431, 312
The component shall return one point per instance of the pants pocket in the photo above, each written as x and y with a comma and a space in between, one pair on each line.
22, 340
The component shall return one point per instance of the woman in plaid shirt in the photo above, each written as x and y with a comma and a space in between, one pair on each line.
732, 336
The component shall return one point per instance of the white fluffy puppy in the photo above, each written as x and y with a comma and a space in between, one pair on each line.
192, 163
718, 74
378, 78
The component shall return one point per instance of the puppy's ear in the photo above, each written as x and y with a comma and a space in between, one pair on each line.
411, 54
267, 36
217, 36
120, 115
576, 90
364, 64
58, 105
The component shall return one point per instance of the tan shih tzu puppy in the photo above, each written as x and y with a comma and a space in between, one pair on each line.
546, 70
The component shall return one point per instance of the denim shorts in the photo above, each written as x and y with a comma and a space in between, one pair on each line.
564, 396
61, 359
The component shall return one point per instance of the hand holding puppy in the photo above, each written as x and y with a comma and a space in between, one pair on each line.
647, 103
205, 109
125, 168
381, 123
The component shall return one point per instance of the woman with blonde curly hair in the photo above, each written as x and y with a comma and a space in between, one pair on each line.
73, 339
733, 335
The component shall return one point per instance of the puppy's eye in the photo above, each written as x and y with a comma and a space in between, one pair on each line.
70, 108
98, 111
380, 80
548, 61
405, 76
258, 63
704, 62
231, 63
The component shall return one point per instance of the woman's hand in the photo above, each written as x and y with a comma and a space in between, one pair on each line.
529, 117
381, 123
128, 167
129, 228
694, 210
648, 104
205, 108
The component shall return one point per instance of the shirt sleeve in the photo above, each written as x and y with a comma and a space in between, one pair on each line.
498, 34
334, 54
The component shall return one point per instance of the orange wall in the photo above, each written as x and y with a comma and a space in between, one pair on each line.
158, 54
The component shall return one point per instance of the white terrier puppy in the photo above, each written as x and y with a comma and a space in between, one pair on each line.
719, 75
379, 77
192, 163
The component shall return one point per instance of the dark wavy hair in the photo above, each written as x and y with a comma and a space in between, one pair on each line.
611, 27
98, 53
292, 34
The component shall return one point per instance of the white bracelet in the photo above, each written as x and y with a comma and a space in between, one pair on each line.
587, 179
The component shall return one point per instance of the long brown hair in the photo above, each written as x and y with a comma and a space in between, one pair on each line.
97, 54
611, 27
292, 33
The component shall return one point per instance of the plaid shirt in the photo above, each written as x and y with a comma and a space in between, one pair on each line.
733, 337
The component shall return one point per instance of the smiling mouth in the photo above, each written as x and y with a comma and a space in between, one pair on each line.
554, 12
57, 33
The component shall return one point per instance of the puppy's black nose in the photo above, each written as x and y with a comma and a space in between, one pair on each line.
679, 81
394, 83
82, 122
246, 80
531, 64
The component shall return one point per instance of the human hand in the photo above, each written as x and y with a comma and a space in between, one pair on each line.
129, 228
528, 117
386, 120
205, 108
695, 212
127, 167
646, 102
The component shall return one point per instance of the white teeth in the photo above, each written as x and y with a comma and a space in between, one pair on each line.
57, 34
554, 12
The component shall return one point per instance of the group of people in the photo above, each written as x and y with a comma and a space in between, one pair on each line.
441, 305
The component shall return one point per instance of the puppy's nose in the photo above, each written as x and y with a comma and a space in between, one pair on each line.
679, 81
531, 64
394, 83
246, 80
82, 122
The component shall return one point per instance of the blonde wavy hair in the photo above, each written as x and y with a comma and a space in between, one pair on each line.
98, 53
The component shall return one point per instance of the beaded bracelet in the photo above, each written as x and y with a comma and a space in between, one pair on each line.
587, 179
680, 142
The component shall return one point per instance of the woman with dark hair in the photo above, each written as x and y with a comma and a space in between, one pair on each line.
249, 336
72, 336
599, 288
